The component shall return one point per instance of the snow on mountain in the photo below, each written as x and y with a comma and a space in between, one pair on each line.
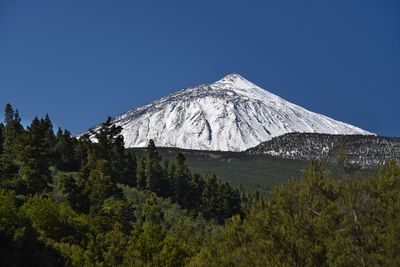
231, 114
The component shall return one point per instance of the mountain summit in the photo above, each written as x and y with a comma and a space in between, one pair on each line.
231, 114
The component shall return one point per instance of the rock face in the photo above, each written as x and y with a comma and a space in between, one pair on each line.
361, 150
231, 114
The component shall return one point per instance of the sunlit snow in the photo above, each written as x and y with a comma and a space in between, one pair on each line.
231, 114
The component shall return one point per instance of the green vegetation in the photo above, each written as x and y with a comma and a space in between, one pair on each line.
316, 221
73, 202
250, 173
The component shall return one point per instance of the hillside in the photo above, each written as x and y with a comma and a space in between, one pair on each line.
361, 151
249, 172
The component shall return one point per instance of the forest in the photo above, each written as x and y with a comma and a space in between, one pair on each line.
88, 201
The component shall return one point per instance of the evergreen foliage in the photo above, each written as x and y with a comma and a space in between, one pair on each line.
1, 138
316, 221
35, 158
12, 131
67, 201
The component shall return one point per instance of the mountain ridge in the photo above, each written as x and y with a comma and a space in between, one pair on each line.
231, 114
360, 151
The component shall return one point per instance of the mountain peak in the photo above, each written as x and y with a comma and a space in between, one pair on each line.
233, 116
233, 77
234, 80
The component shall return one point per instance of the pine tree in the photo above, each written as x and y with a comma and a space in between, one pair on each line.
1, 138
167, 179
47, 126
110, 147
197, 188
50, 137
110, 142
384, 192
181, 181
8, 169
209, 198
65, 147
141, 174
35, 159
129, 176
8, 114
83, 147
8, 172
13, 131
153, 168
229, 201
169, 171
100, 185
74, 189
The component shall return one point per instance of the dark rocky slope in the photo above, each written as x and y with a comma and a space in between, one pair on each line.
363, 151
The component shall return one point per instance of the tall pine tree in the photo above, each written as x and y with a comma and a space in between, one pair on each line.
153, 169
1, 138
181, 181
13, 131
35, 159
65, 154
141, 174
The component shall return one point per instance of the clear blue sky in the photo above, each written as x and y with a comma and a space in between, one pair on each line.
82, 61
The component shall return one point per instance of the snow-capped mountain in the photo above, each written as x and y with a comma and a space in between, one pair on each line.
231, 114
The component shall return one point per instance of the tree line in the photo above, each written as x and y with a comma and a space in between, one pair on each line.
96, 163
45, 174
88, 201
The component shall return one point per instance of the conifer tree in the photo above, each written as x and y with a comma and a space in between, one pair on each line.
110, 147
12, 134
2, 176
167, 179
209, 200
141, 174
12, 131
48, 129
197, 187
129, 177
100, 185
8, 172
83, 147
75, 192
153, 169
229, 201
384, 190
8, 114
35, 159
169, 171
1, 138
109, 141
181, 180
50, 137
151, 212
65, 147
